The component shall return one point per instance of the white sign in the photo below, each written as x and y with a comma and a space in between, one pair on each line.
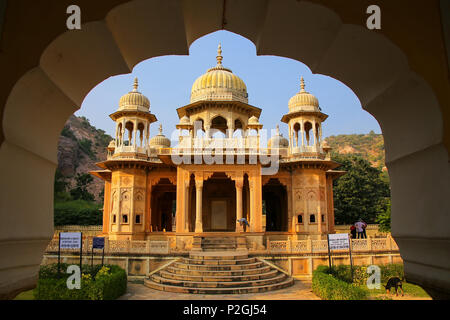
70, 240
338, 241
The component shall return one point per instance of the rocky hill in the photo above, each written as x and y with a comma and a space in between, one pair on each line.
369, 146
80, 146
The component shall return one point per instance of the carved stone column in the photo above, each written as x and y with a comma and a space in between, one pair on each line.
198, 205
302, 130
186, 205
239, 182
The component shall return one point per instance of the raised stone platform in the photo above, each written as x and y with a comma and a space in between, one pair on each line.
220, 269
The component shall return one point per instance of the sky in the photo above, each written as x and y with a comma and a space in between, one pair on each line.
271, 81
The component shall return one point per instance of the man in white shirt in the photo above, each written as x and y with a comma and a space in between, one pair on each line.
360, 225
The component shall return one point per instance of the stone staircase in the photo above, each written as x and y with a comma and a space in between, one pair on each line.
218, 269
218, 244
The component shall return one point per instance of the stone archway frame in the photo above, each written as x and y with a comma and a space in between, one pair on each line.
367, 62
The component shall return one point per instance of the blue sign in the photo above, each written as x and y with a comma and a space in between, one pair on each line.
98, 243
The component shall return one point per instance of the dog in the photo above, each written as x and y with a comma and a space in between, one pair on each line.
394, 282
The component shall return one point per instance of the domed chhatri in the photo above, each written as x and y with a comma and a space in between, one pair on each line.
303, 100
217, 172
278, 141
160, 140
219, 83
134, 100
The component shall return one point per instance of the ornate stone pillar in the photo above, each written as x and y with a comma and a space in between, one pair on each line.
314, 132
252, 204
239, 183
291, 221
295, 137
198, 205
134, 133
255, 203
183, 177
302, 130
186, 205
319, 214
148, 205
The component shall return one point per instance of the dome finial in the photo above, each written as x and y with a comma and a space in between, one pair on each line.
136, 84
278, 129
160, 128
219, 55
302, 84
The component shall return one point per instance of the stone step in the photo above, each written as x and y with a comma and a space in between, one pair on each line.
218, 262
218, 284
218, 267
215, 240
208, 273
216, 243
219, 255
213, 278
218, 249
238, 290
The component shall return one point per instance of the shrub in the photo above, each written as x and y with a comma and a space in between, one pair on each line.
77, 212
360, 274
97, 283
328, 287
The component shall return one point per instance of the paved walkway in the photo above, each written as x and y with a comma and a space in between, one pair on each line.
299, 291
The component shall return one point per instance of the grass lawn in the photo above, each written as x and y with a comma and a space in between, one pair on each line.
411, 291
26, 295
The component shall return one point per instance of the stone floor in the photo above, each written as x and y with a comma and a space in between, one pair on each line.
299, 291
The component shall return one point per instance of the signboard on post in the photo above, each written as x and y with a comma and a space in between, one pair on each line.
70, 240
338, 241
98, 243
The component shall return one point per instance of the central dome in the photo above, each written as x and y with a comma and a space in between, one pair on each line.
219, 83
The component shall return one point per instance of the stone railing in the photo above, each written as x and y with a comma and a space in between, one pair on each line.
117, 247
320, 246
278, 246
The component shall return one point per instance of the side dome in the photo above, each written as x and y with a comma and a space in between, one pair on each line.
134, 100
112, 144
303, 100
160, 140
278, 141
219, 83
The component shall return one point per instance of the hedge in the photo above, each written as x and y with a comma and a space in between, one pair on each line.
97, 283
77, 212
360, 274
328, 287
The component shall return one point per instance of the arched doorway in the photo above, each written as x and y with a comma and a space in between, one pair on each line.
55, 81
275, 202
218, 203
163, 199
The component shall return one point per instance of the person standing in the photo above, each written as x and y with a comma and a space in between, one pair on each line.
353, 232
364, 230
360, 225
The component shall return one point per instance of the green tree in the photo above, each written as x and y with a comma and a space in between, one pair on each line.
384, 219
80, 191
361, 192
60, 187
